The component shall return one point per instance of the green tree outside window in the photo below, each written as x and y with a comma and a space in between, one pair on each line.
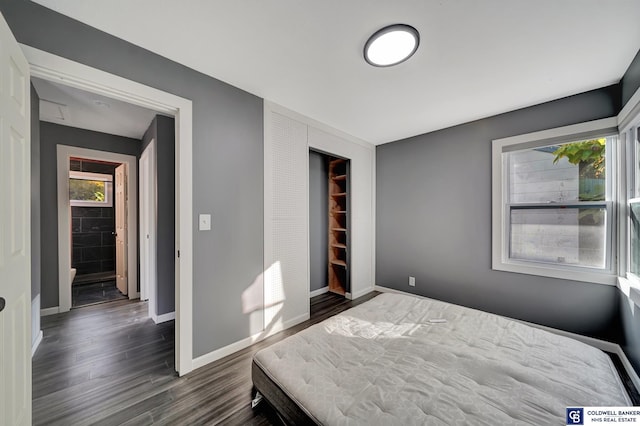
86, 190
589, 156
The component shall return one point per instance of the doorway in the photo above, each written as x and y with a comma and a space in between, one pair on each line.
54, 68
125, 263
96, 220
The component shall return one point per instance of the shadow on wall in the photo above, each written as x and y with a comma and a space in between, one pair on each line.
264, 299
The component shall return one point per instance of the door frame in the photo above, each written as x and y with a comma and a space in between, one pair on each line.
50, 67
64, 153
148, 207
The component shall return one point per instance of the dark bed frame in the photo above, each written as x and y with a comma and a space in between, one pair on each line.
288, 411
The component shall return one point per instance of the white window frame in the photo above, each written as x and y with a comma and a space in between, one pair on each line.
500, 219
108, 193
628, 118
630, 141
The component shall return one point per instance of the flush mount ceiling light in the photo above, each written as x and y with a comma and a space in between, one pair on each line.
391, 45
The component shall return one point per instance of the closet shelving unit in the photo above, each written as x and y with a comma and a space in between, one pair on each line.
338, 226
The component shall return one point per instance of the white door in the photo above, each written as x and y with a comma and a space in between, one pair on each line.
15, 234
147, 196
121, 228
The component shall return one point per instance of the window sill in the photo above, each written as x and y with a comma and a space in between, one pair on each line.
78, 203
561, 273
630, 288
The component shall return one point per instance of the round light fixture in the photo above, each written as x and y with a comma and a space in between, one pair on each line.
391, 45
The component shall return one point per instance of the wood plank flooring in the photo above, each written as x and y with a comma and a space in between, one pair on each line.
108, 364
95, 292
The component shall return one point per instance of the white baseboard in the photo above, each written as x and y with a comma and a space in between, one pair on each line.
213, 356
36, 343
49, 311
591, 341
36, 333
318, 292
163, 317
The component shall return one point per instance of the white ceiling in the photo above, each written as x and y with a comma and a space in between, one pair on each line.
76, 108
476, 58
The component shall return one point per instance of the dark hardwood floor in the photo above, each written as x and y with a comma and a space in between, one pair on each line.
108, 364
96, 292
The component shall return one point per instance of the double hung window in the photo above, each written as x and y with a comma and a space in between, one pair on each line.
553, 202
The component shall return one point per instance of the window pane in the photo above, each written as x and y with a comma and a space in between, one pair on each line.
634, 234
568, 236
87, 190
560, 173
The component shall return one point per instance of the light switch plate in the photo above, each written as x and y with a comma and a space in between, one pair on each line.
205, 222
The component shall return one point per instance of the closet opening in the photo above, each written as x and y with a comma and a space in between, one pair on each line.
329, 224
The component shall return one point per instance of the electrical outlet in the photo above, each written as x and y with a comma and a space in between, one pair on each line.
412, 281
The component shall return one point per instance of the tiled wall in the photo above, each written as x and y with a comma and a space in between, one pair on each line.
93, 239
92, 229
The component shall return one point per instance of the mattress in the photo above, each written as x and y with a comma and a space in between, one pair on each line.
403, 360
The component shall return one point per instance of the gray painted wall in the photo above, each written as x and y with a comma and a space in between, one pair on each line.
318, 220
631, 80
227, 162
433, 221
162, 130
52, 135
35, 194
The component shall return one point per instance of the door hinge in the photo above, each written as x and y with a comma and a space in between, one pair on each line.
178, 254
